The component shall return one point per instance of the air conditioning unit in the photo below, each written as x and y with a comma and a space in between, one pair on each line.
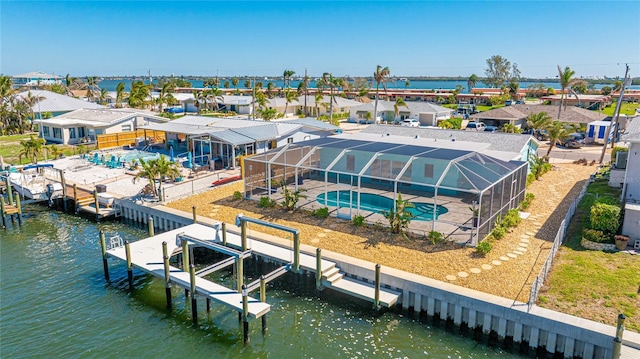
621, 160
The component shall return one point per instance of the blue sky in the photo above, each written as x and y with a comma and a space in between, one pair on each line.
422, 38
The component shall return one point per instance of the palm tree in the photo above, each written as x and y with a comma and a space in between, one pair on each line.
138, 94
381, 76
199, 98
103, 96
165, 94
396, 107
289, 96
213, 96
148, 171
557, 133
165, 169
472, 81
511, 128
31, 101
119, 94
268, 114
318, 99
332, 82
247, 84
407, 84
286, 76
32, 148
565, 82
270, 87
538, 121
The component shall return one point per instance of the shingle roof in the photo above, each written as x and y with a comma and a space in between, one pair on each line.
338, 101
54, 102
572, 114
37, 75
413, 106
497, 141
312, 122
98, 117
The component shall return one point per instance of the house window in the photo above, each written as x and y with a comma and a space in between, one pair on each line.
72, 132
351, 163
273, 144
80, 132
290, 140
57, 132
45, 130
126, 128
428, 171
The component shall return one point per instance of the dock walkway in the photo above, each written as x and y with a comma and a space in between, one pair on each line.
146, 254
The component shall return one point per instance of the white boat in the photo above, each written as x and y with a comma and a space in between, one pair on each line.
105, 199
30, 184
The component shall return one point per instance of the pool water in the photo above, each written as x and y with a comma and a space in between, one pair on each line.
131, 156
376, 203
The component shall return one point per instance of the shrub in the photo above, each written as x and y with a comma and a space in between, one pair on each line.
605, 217
511, 219
484, 247
435, 237
498, 232
358, 221
608, 200
526, 202
321, 212
291, 198
237, 196
399, 218
530, 179
595, 235
266, 202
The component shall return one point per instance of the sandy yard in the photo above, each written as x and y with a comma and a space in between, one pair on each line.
508, 270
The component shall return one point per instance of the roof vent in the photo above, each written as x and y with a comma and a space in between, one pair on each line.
387, 134
453, 140
417, 137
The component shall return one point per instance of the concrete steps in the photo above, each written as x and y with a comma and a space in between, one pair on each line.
333, 278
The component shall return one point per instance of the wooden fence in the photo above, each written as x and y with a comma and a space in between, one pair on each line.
128, 138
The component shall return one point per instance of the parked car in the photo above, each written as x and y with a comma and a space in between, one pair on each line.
411, 122
542, 135
475, 126
575, 140
491, 129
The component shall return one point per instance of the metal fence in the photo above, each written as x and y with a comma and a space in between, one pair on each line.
559, 239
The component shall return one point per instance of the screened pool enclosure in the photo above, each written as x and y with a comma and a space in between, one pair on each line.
352, 177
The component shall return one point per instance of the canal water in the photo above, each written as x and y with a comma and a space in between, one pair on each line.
54, 303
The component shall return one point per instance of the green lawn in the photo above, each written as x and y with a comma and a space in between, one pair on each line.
593, 284
10, 149
628, 109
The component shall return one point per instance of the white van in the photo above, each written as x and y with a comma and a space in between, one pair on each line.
475, 126
411, 122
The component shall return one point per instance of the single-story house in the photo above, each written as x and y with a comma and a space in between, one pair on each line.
84, 125
427, 113
591, 102
224, 140
517, 115
631, 182
241, 105
503, 146
340, 105
35, 79
57, 104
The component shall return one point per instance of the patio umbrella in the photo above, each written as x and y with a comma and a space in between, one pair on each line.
171, 154
189, 160
95, 157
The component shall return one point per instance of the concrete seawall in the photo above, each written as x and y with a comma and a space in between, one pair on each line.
538, 328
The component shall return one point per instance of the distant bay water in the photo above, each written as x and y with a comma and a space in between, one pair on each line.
110, 85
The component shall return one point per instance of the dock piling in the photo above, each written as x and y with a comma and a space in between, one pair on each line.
151, 227
194, 302
245, 314
75, 197
296, 252
376, 300
64, 191
617, 341
185, 262
19, 207
9, 191
167, 274
127, 250
240, 273
318, 269
97, 203
3, 212
263, 298
195, 216
105, 265
224, 233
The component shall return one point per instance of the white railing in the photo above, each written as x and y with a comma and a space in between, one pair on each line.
557, 242
115, 242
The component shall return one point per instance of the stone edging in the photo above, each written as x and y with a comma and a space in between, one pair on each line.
594, 246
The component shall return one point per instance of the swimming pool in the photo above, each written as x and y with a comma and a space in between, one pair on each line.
376, 203
131, 156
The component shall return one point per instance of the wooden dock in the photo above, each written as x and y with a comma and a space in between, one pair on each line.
146, 254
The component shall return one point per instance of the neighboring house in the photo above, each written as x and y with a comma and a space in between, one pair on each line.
503, 146
84, 125
57, 104
427, 113
280, 104
631, 184
241, 105
224, 140
340, 105
35, 79
517, 115
591, 102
